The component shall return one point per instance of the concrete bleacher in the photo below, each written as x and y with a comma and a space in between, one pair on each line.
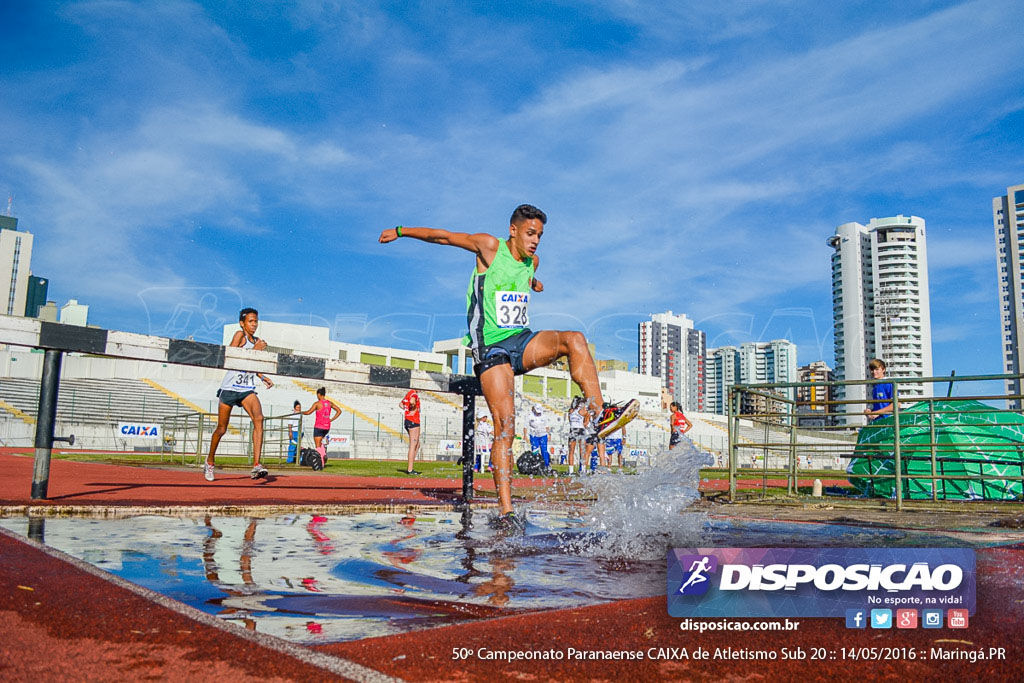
94, 401
91, 409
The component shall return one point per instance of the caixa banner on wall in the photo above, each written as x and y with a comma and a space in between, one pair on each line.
138, 430
816, 582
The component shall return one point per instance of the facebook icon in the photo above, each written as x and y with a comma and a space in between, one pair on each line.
856, 618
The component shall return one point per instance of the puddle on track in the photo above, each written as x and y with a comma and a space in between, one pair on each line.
316, 579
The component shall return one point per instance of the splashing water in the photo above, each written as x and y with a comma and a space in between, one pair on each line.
638, 517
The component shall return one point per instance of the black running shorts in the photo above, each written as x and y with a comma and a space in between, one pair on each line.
233, 398
509, 350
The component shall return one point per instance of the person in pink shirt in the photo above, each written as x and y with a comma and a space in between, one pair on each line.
322, 423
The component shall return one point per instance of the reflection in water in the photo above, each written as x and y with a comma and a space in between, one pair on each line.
395, 578
322, 540
245, 569
462, 535
498, 586
37, 529
402, 555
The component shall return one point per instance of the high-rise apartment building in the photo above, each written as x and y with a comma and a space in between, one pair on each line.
813, 402
723, 371
751, 363
1008, 219
880, 303
15, 263
672, 350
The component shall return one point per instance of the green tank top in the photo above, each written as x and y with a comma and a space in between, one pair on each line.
497, 299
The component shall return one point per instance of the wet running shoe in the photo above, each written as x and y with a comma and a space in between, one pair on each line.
613, 416
208, 472
258, 472
509, 522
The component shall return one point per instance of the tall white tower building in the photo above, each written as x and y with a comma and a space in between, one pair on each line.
15, 266
880, 305
1008, 218
672, 350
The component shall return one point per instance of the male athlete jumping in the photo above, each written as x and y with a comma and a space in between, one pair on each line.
497, 303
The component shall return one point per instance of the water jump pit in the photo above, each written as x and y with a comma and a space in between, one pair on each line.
327, 578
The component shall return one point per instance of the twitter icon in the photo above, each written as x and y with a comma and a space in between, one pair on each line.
881, 618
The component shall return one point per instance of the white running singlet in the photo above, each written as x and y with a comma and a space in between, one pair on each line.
240, 380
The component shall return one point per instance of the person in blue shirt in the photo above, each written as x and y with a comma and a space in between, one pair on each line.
881, 393
293, 432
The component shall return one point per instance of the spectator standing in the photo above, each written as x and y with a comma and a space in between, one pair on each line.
537, 429
482, 439
411, 405
881, 392
293, 432
679, 425
615, 443
576, 410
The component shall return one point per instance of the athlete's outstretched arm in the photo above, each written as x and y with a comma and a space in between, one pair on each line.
481, 243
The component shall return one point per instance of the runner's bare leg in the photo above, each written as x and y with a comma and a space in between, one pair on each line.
414, 443
251, 404
549, 345
223, 415
498, 385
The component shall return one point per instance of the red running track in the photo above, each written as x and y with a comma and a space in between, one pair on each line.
81, 483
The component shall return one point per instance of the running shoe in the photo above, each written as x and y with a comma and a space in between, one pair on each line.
208, 472
258, 472
509, 522
613, 416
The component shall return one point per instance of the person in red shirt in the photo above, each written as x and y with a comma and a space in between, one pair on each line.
411, 405
679, 425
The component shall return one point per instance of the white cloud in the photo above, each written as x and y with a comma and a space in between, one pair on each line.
946, 253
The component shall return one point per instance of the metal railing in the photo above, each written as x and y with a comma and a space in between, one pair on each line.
186, 437
959, 445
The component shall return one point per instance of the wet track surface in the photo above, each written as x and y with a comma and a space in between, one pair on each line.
62, 622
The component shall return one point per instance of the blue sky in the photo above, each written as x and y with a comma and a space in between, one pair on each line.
178, 160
